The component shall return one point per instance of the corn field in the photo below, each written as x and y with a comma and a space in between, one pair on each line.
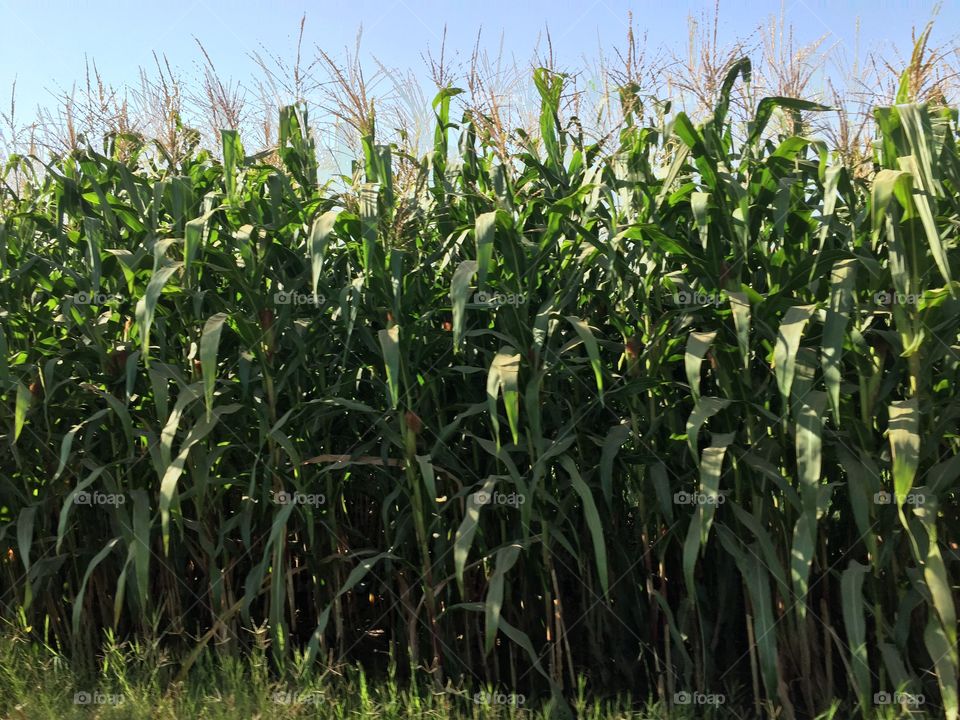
674, 411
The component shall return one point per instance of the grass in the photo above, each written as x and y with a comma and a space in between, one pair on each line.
38, 684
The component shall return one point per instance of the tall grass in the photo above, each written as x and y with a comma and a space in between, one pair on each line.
39, 684
674, 411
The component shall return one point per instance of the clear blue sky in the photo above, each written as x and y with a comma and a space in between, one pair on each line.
44, 43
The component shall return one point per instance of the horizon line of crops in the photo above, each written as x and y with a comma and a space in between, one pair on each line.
680, 311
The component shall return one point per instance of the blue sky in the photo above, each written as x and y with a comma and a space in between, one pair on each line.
45, 42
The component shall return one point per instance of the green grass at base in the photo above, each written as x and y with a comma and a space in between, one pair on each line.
37, 683
133, 681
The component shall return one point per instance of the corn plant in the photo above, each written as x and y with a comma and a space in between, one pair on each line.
670, 411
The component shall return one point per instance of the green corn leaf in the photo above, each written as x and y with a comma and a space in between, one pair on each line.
119, 408
921, 201
67, 443
788, 342
904, 436
503, 377
141, 543
851, 592
944, 655
711, 466
523, 640
24, 400
187, 395
886, 185
71, 501
893, 664
740, 308
369, 222
550, 88
915, 121
616, 437
486, 225
232, 158
175, 468
147, 305
120, 593
700, 205
209, 344
830, 182
4, 348
506, 559
704, 410
680, 156
24, 524
320, 235
192, 240
765, 109
390, 347
842, 280
697, 345
427, 472
593, 352
592, 518
803, 548
935, 573
758, 585
468, 528
93, 232
278, 631
770, 557
742, 67
441, 107
459, 294
808, 443
862, 483
78, 600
